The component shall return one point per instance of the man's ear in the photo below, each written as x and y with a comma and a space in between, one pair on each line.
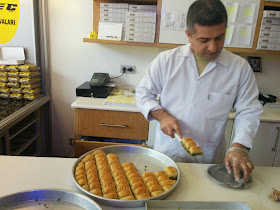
188, 35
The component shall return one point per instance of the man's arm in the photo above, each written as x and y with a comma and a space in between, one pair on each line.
168, 124
247, 119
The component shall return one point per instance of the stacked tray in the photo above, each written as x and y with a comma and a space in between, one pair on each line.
145, 160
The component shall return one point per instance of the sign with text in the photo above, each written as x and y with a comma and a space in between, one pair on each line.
9, 18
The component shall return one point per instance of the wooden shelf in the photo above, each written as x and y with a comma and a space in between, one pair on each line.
161, 45
96, 19
272, 4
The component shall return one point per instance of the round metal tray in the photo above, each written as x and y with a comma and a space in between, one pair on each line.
145, 160
47, 198
220, 175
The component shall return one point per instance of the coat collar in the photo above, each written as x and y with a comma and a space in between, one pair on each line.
222, 59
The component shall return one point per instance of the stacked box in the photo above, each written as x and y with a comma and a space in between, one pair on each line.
142, 8
269, 37
113, 13
140, 27
20, 81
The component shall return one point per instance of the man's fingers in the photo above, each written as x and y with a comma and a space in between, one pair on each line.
227, 165
236, 171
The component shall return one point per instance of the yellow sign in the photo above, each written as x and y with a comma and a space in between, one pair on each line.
9, 18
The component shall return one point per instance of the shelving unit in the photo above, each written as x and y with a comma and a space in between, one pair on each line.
25, 132
96, 18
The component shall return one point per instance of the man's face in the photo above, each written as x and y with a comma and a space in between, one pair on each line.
208, 41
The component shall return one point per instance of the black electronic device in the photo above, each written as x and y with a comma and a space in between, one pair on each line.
86, 90
267, 98
99, 79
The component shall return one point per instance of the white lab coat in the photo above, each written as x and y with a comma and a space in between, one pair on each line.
201, 104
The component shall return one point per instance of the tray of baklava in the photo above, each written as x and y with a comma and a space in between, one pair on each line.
125, 176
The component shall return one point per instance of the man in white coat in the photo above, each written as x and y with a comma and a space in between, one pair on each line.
199, 84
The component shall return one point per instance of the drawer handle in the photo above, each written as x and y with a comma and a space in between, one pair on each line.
276, 141
110, 125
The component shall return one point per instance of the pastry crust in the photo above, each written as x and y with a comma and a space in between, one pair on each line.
81, 176
108, 189
121, 182
132, 175
152, 183
124, 193
147, 174
82, 182
156, 193
163, 177
143, 196
134, 180
137, 185
111, 195
140, 190
96, 192
86, 187
149, 179
118, 178
92, 179
130, 197
195, 150
171, 172
155, 187
189, 144
167, 182
185, 140
98, 152
166, 187
123, 187
94, 185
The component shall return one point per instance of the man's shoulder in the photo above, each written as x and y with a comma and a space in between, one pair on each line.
178, 51
232, 58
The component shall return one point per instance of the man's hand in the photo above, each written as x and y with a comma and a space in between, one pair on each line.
168, 124
237, 158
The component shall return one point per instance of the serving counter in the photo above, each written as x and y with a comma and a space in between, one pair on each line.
26, 173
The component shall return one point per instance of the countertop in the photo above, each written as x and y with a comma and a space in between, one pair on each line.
26, 173
268, 115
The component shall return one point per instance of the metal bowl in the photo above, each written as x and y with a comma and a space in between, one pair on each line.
47, 198
145, 160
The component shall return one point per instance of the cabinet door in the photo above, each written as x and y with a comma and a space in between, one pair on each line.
277, 155
263, 152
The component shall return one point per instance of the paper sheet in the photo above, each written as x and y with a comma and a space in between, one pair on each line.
229, 33
248, 12
232, 9
174, 20
244, 35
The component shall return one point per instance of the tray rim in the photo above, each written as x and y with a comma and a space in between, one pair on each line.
52, 190
248, 184
129, 203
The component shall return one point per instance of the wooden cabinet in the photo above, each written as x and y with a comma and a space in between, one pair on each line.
96, 18
108, 124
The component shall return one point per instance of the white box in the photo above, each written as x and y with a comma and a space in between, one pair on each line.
271, 14
139, 29
141, 14
12, 55
114, 5
112, 14
140, 25
113, 19
265, 27
273, 21
140, 34
139, 39
269, 34
262, 46
268, 40
141, 19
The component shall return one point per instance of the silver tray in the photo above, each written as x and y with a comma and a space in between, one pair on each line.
219, 174
145, 159
47, 199
184, 205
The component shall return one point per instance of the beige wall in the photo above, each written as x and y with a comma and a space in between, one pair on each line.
73, 62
